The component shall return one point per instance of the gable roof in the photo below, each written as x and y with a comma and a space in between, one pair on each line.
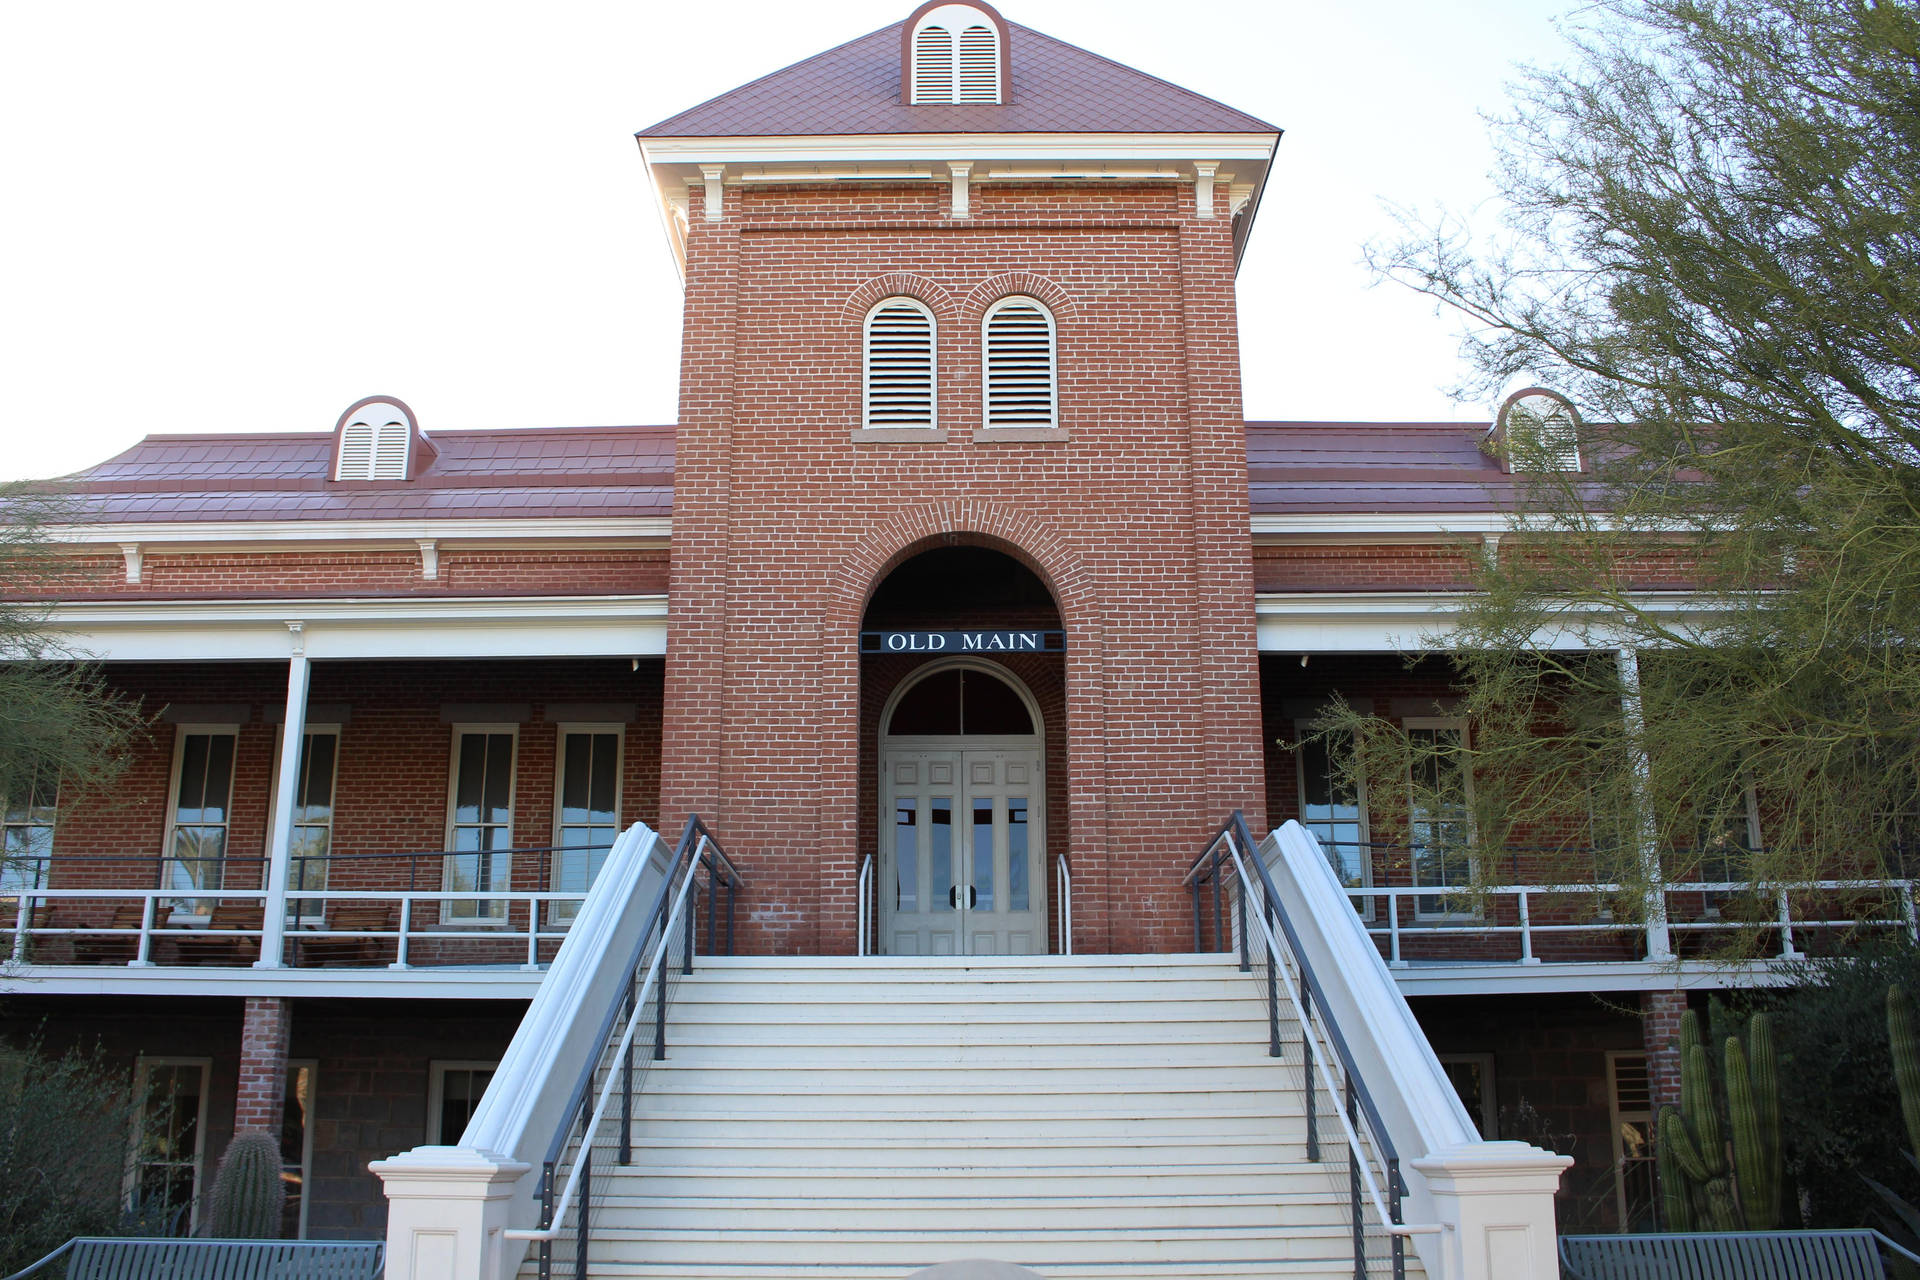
855, 89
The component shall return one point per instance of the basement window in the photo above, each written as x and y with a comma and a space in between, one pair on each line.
956, 58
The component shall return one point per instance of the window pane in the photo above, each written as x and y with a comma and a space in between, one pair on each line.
499, 775
606, 781
219, 778
576, 766
906, 853
193, 777
471, 777
1017, 891
315, 801
982, 856
940, 852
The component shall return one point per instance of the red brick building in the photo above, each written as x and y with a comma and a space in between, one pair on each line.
961, 601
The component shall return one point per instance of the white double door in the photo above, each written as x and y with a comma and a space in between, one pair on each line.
962, 850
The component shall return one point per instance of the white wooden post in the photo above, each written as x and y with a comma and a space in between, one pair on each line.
1496, 1200
293, 740
1646, 836
446, 1210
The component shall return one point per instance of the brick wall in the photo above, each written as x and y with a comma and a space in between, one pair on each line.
1136, 523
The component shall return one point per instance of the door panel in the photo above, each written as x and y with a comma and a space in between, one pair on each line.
960, 866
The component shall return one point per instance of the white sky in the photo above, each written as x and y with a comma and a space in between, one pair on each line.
245, 216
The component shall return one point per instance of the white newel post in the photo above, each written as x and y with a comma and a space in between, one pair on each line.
286, 790
446, 1210
1496, 1198
1647, 844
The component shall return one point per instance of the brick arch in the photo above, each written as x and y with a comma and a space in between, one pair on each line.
972, 522
897, 284
988, 292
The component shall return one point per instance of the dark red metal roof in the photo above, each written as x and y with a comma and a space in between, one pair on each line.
1055, 87
1296, 468
549, 472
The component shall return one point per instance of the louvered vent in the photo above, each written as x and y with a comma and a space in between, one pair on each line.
1020, 379
356, 451
899, 390
375, 443
1541, 434
933, 65
1632, 1091
979, 65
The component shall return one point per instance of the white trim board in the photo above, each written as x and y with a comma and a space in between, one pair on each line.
406, 627
273, 534
1304, 622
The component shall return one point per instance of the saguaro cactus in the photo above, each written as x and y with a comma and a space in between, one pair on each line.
1905, 1039
247, 1193
1696, 1188
1753, 1107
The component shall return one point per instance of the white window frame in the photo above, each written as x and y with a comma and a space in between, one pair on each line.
1442, 723
436, 1093
316, 908
1716, 898
1365, 906
866, 365
12, 880
312, 1066
562, 913
142, 1071
1618, 1116
175, 916
986, 365
1488, 1119
501, 908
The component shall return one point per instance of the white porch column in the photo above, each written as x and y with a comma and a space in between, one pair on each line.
286, 789
1496, 1198
1646, 836
446, 1210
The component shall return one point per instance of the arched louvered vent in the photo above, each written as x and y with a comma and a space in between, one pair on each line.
933, 65
1539, 432
979, 65
956, 58
899, 365
1020, 373
376, 442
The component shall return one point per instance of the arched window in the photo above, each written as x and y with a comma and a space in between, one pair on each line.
956, 57
1020, 378
376, 440
899, 375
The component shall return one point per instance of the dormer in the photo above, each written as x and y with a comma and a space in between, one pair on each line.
1537, 432
954, 55
379, 439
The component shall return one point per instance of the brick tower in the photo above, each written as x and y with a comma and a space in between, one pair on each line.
960, 347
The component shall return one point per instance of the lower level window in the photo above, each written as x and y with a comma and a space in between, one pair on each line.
296, 1149
169, 1157
454, 1090
1472, 1077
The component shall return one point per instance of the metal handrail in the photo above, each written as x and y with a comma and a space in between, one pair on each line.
1233, 836
1063, 875
863, 892
696, 848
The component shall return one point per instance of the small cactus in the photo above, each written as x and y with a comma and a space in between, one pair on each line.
247, 1193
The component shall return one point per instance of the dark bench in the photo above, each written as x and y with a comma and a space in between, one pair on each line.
347, 917
1727, 1255
231, 937
104, 1258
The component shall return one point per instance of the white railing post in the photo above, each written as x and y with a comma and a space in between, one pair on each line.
1496, 1199
406, 923
1908, 910
293, 741
1526, 932
1786, 927
446, 1210
1647, 836
143, 958
21, 917
1393, 931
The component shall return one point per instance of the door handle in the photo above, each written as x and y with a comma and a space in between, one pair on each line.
953, 897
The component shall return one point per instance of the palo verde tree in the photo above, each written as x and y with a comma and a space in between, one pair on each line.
62, 730
1711, 244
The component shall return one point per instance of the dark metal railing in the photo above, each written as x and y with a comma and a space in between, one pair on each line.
670, 923
1219, 884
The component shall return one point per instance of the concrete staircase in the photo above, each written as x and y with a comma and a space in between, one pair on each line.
1086, 1117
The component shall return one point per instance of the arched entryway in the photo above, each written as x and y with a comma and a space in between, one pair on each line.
957, 767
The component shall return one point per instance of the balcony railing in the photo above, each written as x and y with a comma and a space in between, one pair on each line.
1541, 922
386, 910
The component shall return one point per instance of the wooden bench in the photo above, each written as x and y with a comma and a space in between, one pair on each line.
118, 947
353, 917
222, 941
104, 1258
1726, 1255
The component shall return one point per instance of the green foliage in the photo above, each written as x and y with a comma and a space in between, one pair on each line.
64, 1127
59, 722
1903, 1040
1839, 1100
247, 1191
1712, 244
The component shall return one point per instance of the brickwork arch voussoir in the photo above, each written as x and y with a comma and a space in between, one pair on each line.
896, 284
988, 292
